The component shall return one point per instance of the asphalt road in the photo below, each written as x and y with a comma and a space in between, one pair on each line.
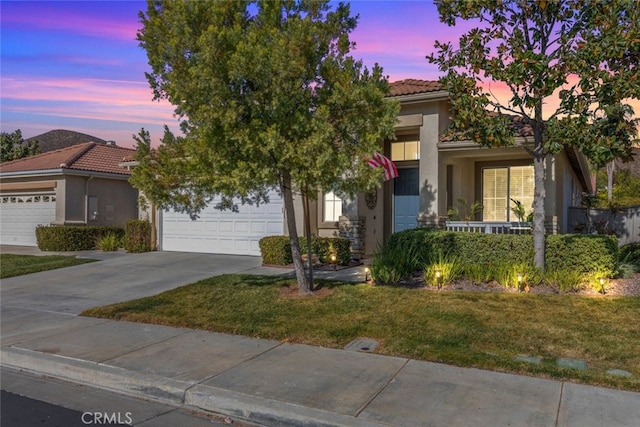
21, 411
28, 401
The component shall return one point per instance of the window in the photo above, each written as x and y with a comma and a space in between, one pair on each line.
500, 185
409, 150
332, 207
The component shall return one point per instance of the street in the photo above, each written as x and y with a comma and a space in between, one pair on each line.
28, 401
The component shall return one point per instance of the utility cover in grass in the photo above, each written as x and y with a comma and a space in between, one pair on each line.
362, 344
619, 373
578, 364
529, 359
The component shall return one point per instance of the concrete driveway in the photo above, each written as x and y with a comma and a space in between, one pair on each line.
118, 277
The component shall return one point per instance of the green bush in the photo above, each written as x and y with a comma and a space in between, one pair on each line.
72, 237
276, 250
138, 236
391, 265
448, 267
584, 253
477, 248
110, 242
630, 254
565, 280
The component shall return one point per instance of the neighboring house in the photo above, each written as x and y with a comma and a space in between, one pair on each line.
434, 172
79, 185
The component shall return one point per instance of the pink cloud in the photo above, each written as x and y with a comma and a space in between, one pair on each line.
79, 20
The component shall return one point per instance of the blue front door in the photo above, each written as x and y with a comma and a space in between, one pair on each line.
406, 199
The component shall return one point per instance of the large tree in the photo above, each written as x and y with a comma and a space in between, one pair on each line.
584, 51
13, 146
269, 98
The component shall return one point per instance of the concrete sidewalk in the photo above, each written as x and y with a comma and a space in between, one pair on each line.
266, 381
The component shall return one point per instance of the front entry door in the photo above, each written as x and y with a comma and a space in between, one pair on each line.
406, 199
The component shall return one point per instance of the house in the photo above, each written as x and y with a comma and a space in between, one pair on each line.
434, 173
82, 184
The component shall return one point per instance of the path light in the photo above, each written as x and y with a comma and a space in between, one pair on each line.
520, 278
333, 260
367, 275
602, 282
438, 275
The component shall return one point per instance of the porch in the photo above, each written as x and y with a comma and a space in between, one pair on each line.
489, 227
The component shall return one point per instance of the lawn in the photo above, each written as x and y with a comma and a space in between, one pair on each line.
17, 265
484, 330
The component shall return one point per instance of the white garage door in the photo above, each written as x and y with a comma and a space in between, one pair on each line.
223, 232
21, 214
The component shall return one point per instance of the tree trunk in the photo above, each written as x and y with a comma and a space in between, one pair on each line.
539, 191
610, 169
287, 194
307, 234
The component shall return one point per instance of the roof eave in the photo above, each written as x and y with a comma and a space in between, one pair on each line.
467, 143
440, 95
64, 171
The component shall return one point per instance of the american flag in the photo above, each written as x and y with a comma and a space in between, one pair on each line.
380, 161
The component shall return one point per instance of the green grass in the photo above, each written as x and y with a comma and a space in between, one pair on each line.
484, 330
17, 265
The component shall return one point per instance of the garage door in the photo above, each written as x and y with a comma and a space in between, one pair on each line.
21, 214
223, 232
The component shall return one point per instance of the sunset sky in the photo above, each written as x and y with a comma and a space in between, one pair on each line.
76, 65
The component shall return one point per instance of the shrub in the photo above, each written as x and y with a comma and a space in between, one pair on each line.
583, 253
138, 236
630, 254
477, 273
565, 280
276, 250
517, 275
390, 265
110, 242
449, 266
72, 238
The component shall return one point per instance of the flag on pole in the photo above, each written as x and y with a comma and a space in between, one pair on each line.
380, 161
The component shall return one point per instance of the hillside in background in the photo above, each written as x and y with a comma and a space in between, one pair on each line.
61, 138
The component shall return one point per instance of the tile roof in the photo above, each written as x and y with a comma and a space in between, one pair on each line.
413, 87
90, 157
521, 127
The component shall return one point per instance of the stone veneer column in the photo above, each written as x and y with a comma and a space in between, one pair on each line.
353, 228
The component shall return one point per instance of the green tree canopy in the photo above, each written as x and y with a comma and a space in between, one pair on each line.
269, 98
585, 51
14, 147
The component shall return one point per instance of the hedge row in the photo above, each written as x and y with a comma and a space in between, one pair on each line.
72, 238
576, 252
138, 236
276, 250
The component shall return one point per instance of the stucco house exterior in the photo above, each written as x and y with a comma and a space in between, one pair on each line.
434, 172
79, 185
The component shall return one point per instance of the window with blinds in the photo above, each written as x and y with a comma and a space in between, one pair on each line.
408, 150
500, 185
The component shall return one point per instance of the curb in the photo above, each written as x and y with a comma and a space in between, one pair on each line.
96, 374
154, 387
